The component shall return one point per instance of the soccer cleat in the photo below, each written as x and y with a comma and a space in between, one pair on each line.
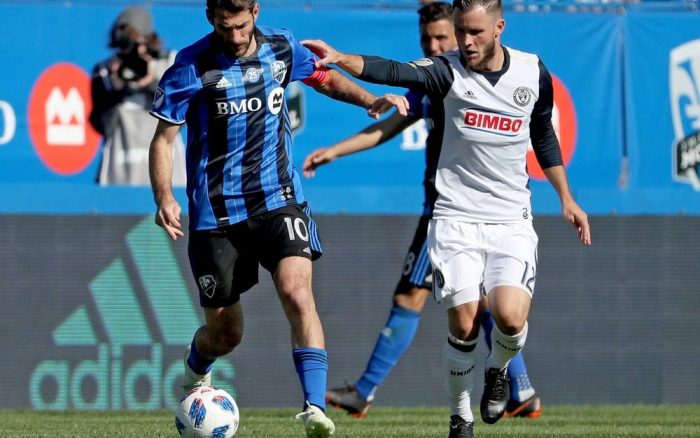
316, 423
460, 428
529, 408
193, 380
347, 398
495, 396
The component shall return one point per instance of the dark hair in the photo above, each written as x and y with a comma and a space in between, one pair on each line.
231, 5
434, 12
488, 5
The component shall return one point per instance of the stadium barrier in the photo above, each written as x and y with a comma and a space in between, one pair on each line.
97, 315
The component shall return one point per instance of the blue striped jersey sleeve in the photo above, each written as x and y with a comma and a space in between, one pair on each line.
175, 90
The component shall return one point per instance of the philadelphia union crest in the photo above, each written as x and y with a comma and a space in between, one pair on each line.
685, 107
522, 96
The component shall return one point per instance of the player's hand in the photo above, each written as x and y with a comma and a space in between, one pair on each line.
168, 217
323, 50
317, 158
579, 220
387, 102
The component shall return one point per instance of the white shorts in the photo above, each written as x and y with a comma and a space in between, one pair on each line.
468, 257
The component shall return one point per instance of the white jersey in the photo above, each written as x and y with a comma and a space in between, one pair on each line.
482, 175
489, 121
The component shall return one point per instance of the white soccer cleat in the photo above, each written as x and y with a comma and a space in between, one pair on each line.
316, 423
193, 380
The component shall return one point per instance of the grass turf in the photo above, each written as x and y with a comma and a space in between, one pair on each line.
679, 421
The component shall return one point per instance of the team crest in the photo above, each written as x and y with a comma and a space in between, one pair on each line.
207, 285
279, 71
522, 96
684, 78
158, 98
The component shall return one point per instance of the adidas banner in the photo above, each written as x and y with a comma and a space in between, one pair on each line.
97, 312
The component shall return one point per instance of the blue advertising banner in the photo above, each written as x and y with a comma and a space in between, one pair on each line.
583, 52
49, 153
663, 105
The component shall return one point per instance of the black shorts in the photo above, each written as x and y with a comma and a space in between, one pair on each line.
225, 261
417, 271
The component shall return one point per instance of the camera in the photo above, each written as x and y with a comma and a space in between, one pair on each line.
134, 64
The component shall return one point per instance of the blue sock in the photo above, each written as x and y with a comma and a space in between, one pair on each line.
487, 323
392, 343
199, 364
520, 387
312, 368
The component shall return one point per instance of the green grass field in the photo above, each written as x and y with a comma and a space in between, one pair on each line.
557, 421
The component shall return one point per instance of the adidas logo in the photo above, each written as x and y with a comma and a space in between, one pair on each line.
125, 318
469, 95
223, 83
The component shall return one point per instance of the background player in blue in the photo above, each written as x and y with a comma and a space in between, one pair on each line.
495, 101
436, 37
246, 206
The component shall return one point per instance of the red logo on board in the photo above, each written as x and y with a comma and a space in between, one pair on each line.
59, 107
564, 121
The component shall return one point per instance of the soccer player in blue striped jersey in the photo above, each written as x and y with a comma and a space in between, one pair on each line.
246, 205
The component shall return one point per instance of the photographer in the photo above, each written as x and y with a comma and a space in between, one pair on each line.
122, 89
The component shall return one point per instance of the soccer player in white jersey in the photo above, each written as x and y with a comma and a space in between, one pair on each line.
413, 288
495, 101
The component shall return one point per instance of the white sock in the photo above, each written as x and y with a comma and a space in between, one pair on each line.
504, 347
458, 367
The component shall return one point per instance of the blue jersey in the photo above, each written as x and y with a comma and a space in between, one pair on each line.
238, 131
420, 107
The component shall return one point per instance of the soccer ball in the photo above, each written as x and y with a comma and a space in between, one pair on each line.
207, 412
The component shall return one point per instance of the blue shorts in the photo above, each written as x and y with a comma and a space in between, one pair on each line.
417, 271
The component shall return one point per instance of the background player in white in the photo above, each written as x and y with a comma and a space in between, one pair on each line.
436, 36
495, 101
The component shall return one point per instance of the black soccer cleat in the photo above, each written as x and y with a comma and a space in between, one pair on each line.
460, 428
495, 396
347, 398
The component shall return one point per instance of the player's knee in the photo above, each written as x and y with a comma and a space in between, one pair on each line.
464, 330
510, 320
297, 300
510, 324
293, 286
413, 299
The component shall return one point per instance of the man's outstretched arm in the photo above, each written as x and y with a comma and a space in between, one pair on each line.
339, 87
353, 64
432, 76
373, 135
